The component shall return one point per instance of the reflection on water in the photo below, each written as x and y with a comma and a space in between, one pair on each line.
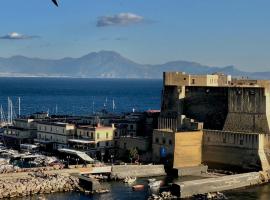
253, 193
121, 191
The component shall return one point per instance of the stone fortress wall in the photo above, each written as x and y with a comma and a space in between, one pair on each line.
235, 115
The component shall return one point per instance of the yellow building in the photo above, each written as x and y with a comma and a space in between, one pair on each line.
94, 140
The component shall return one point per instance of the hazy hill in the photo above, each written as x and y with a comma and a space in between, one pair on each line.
107, 64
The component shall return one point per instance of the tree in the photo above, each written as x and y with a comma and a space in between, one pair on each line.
133, 154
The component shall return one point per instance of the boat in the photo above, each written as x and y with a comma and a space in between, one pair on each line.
151, 180
138, 187
130, 180
155, 184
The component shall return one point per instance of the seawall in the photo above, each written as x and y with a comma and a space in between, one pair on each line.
123, 171
203, 186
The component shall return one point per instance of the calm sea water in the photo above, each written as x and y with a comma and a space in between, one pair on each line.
76, 96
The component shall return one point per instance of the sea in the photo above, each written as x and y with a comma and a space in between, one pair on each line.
86, 96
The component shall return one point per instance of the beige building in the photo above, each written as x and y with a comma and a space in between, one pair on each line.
129, 142
54, 134
22, 131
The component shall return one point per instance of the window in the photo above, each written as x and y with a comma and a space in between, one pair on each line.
193, 81
131, 126
92, 135
98, 144
157, 140
107, 144
164, 141
115, 143
224, 140
241, 142
107, 135
185, 79
97, 135
125, 145
170, 142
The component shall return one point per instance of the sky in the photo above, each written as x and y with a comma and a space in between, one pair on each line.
211, 32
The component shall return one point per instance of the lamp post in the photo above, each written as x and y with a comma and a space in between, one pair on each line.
77, 160
68, 157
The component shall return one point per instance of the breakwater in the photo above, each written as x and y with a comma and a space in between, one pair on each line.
37, 183
203, 186
123, 171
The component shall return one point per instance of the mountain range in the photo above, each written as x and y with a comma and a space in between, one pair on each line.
108, 64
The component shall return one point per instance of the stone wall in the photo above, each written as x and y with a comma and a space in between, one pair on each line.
188, 149
207, 104
235, 149
123, 171
247, 110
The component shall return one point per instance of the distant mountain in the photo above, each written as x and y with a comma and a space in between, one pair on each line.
107, 64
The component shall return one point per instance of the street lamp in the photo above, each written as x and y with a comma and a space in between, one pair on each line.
77, 160
68, 157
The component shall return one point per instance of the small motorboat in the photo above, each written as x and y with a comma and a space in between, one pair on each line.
155, 184
138, 187
151, 180
130, 180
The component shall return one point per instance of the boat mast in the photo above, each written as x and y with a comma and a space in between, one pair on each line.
8, 120
113, 105
19, 99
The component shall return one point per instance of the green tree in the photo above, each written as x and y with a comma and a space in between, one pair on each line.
133, 154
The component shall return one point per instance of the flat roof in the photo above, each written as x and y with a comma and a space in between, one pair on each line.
82, 141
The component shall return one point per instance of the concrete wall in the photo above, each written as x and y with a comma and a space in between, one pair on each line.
123, 171
204, 186
188, 149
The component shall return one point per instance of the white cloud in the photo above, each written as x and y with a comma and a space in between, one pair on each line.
16, 36
120, 19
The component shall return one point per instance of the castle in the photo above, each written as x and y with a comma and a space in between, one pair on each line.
215, 120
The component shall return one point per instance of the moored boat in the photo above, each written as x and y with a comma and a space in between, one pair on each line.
138, 187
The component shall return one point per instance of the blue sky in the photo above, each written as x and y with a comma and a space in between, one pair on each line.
212, 32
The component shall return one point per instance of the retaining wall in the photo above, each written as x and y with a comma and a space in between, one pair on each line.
203, 186
123, 171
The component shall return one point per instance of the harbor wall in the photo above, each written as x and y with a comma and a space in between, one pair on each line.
123, 171
203, 186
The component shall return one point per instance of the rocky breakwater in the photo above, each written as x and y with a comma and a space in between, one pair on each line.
38, 183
